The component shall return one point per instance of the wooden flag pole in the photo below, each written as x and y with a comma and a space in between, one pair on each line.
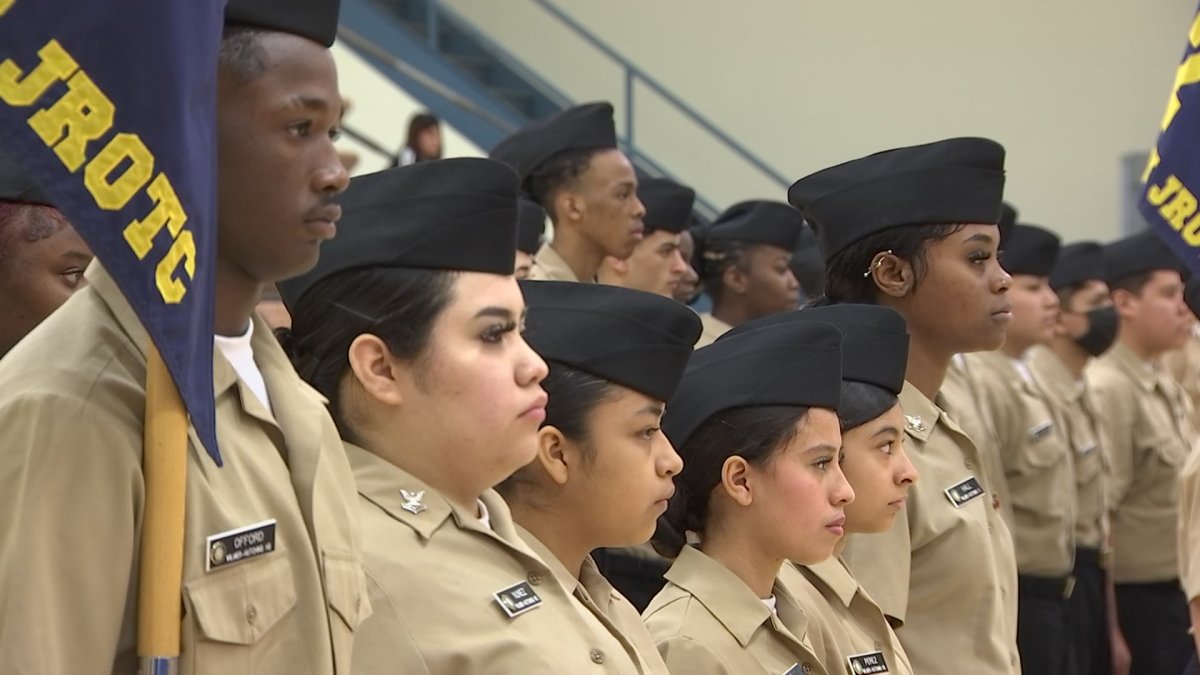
160, 570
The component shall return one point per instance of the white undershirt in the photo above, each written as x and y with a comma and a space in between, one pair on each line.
483, 515
240, 355
770, 603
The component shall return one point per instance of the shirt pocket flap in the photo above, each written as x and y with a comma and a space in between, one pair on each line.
346, 587
239, 605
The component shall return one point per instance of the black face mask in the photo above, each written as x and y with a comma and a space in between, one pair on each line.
1101, 332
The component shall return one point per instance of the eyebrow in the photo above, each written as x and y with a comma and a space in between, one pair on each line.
78, 256
824, 447
313, 103
655, 409
985, 238
888, 430
497, 312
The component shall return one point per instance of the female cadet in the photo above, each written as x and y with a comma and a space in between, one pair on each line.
744, 263
604, 469
410, 327
855, 633
914, 229
755, 421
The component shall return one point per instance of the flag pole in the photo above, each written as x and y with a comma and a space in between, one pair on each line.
160, 570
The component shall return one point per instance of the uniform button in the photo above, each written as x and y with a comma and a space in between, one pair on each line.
251, 614
996, 502
534, 578
597, 656
807, 667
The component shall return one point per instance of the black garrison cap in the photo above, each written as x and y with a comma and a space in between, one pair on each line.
447, 214
584, 127
1008, 218
797, 363
316, 20
1029, 249
758, 222
531, 226
960, 180
638, 340
15, 185
1141, 252
668, 204
874, 340
1078, 263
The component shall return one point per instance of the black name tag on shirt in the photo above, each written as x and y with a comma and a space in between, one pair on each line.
239, 545
961, 493
867, 664
517, 599
794, 670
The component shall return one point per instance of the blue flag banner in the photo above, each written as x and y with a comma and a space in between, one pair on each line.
110, 107
1172, 177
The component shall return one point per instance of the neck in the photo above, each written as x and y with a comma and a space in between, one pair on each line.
236, 296
1013, 349
926, 367
424, 466
581, 254
1137, 347
839, 547
555, 532
754, 567
731, 313
1070, 354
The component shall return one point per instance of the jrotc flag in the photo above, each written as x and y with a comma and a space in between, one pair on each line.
110, 107
1172, 177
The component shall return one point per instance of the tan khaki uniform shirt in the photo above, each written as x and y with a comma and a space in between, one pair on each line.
711, 329
707, 621
962, 401
606, 604
1146, 417
854, 628
1184, 365
452, 595
548, 265
72, 398
1037, 463
1071, 402
946, 569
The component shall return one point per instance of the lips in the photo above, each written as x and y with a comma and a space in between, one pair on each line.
323, 220
538, 407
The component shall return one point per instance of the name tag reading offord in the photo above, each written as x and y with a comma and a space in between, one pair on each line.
961, 493
867, 664
517, 599
241, 544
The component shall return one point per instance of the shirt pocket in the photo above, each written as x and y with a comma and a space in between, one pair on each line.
236, 611
346, 592
1042, 446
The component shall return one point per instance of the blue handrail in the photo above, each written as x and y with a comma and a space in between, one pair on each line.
633, 74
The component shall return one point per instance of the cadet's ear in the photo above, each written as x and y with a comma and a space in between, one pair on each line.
551, 454
735, 480
734, 279
375, 369
893, 275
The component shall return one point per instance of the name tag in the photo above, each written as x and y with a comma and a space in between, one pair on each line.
1041, 431
867, 664
517, 599
794, 670
961, 493
239, 545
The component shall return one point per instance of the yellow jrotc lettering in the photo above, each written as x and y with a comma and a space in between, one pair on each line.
113, 196
1191, 232
1178, 210
56, 65
139, 234
5, 5
1159, 195
83, 114
184, 249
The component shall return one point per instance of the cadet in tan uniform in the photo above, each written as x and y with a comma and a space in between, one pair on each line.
410, 326
531, 230
657, 264
754, 420
1146, 421
604, 469
42, 257
1036, 455
744, 256
1086, 327
855, 633
914, 229
72, 399
570, 164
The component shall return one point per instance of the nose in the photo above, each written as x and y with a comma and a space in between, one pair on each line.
639, 211
679, 266
841, 492
671, 463
1002, 280
906, 473
531, 368
792, 283
331, 176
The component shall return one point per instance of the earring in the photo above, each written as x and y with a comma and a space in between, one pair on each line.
877, 264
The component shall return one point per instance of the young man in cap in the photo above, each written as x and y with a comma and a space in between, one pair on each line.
657, 264
1146, 419
745, 255
1085, 328
70, 574
571, 165
1035, 454
531, 230
42, 257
